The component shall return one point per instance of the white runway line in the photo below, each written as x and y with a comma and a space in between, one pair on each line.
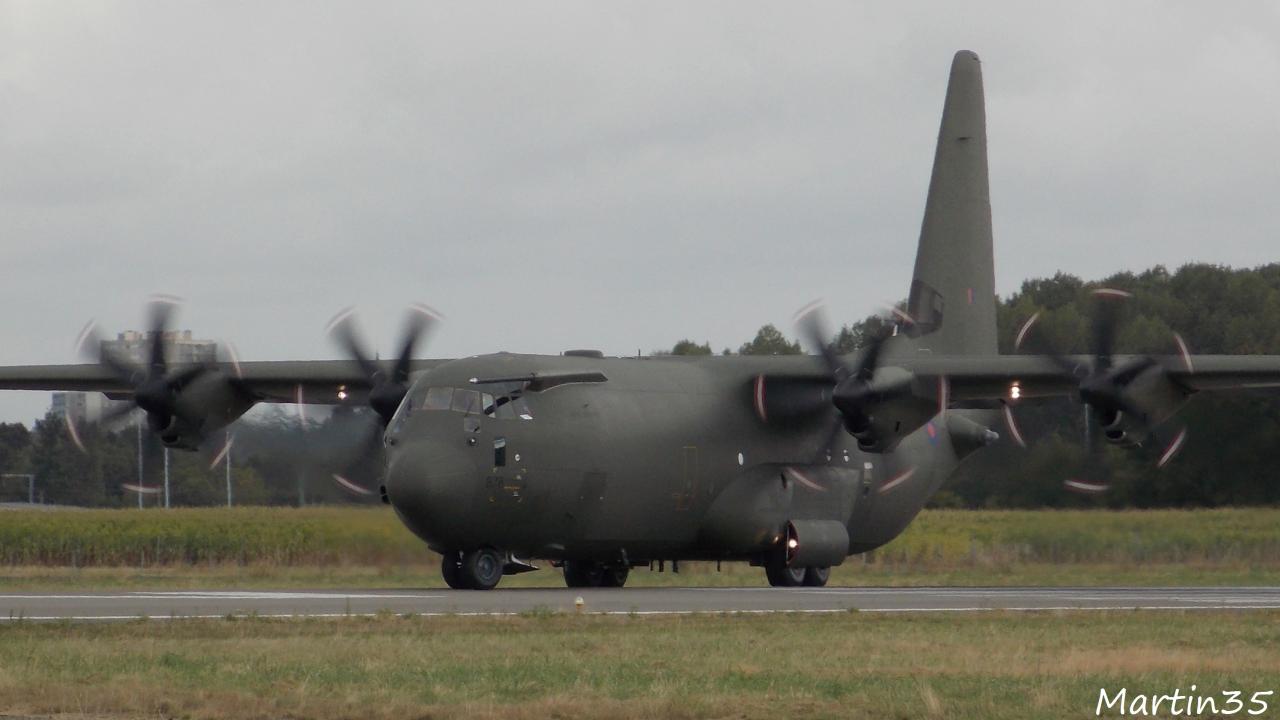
642, 613
224, 595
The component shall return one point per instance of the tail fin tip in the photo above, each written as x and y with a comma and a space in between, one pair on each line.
952, 293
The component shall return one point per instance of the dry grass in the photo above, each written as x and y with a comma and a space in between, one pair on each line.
847, 665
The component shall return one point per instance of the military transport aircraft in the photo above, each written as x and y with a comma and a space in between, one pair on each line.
601, 464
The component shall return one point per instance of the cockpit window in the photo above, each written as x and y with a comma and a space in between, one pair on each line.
505, 404
438, 398
466, 401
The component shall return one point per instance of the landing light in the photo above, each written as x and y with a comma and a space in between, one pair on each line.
342, 393
793, 543
1015, 391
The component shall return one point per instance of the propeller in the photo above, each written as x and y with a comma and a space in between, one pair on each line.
1102, 388
155, 385
855, 393
388, 384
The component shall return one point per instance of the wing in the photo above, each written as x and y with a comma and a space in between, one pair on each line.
310, 381
994, 378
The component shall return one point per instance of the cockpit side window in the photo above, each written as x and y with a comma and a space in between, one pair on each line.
520, 408
504, 411
508, 403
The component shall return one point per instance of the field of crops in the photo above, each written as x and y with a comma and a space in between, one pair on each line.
937, 540
282, 537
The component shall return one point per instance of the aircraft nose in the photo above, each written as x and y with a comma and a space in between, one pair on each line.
432, 486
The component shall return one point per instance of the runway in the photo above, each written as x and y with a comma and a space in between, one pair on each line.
105, 606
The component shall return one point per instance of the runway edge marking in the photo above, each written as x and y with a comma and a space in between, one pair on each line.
644, 613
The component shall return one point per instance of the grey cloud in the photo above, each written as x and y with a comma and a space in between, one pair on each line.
620, 176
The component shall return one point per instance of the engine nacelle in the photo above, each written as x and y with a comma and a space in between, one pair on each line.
790, 401
1120, 430
894, 405
208, 404
1157, 396
901, 404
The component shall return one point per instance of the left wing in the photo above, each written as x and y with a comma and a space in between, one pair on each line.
324, 382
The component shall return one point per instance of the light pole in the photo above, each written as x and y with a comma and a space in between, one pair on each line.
228, 468
31, 484
166, 478
142, 480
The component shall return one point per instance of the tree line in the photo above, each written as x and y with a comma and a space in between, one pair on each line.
1230, 457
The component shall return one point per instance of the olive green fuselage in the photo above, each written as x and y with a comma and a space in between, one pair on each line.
666, 459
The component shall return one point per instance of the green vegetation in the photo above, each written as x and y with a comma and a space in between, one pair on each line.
689, 347
770, 341
282, 537
938, 539
368, 547
987, 665
1233, 448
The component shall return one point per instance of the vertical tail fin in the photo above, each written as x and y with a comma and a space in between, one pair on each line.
952, 296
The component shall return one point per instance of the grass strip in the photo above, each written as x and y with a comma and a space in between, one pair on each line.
988, 665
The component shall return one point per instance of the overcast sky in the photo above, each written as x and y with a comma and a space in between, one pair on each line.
615, 176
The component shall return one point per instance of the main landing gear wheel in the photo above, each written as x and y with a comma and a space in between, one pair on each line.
816, 576
781, 575
581, 573
614, 576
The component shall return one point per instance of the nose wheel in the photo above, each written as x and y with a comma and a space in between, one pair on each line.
472, 570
